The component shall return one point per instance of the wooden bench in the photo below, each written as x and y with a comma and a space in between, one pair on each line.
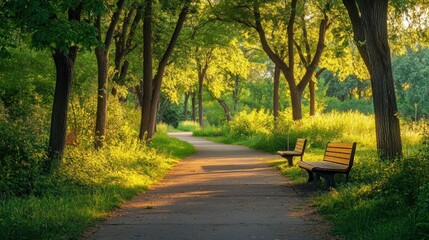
338, 158
298, 151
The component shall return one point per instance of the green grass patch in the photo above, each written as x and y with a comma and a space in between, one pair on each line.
86, 187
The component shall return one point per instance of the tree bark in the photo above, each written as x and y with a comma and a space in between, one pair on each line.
194, 107
276, 92
64, 65
185, 108
312, 98
372, 21
225, 109
102, 55
201, 76
236, 93
147, 70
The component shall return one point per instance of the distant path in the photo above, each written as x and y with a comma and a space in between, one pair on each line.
223, 192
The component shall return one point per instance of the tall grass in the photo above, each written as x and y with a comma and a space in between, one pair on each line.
188, 126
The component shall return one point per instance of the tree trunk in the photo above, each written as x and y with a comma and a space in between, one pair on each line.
147, 70
64, 65
374, 18
162, 110
225, 109
100, 122
200, 99
312, 98
102, 54
276, 92
236, 93
375, 51
194, 107
185, 108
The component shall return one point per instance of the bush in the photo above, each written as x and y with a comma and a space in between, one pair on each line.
21, 158
188, 126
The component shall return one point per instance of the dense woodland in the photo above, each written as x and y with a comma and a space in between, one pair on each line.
82, 82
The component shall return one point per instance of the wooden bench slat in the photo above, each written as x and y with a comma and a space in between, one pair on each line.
338, 155
337, 160
339, 150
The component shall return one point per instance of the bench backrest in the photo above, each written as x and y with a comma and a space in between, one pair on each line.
340, 153
300, 145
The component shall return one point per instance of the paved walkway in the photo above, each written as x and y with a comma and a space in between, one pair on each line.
222, 192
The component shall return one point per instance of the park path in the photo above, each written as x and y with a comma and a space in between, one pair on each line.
221, 192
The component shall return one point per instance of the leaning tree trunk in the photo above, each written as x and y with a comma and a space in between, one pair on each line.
276, 92
64, 65
225, 110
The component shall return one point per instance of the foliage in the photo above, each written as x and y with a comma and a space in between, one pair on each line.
171, 115
410, 71
21, 157
359, 105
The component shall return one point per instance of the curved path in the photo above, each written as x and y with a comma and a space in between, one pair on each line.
222, 192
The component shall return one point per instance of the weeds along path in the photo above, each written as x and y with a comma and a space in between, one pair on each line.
221, 192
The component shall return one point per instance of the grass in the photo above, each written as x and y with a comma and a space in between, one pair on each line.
87, 187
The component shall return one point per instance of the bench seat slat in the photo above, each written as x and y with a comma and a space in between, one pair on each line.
288, 153
323, 166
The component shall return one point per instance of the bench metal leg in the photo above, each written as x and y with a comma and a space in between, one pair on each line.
310, 176
289, 160
329, 179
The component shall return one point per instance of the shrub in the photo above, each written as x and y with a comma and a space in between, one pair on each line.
21, 158
254, 123
188, 126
